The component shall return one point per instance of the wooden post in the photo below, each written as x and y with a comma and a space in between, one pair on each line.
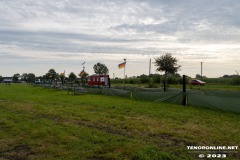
73, 89
184, 97
109, 83
164, 86
165, 83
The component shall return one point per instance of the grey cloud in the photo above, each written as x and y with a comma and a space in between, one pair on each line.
165, 28
185, 16
198, 56
7, 55
61, 42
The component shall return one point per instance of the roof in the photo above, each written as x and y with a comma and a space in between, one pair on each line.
98, 75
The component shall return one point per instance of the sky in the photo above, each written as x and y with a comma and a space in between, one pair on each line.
36, 36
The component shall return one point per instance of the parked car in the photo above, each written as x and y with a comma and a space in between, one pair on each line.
196, 82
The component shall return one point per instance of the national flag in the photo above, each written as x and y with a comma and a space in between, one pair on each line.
121, 65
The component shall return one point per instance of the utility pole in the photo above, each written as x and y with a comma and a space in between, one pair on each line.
149, 73
201, 70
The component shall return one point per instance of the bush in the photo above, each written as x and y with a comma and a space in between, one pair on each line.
157, 78
144, 80
77, 82
218, 80
153, 85
236, 81
172, 80
131, 81
116, 80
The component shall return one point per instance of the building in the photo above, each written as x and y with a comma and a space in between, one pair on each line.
99, 80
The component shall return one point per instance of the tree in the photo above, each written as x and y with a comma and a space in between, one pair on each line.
83, 76
45, 78
62, 77
167, 64
39, 78
144, 78
16, 77
31, 78
156, 78
72, 77
100, 68
198, 76
24, 77
51, 75
1, 79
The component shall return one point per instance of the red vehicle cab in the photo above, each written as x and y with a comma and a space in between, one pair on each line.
196, 82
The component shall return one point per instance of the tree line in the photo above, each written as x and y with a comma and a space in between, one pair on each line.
165, 63
52, 76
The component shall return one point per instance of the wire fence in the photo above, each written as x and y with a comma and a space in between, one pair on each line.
218, 99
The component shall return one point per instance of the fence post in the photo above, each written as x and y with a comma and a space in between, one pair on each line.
184, 96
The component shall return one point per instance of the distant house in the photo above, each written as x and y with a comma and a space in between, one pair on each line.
7, 79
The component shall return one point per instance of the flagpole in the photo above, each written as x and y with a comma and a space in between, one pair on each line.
83, 65
124, 72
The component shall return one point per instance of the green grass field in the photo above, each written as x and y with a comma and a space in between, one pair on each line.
39, 123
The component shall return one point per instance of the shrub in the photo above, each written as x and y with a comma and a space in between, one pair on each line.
236, 81
131, 81
144, 80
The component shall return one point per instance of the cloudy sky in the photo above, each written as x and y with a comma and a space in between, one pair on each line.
36, 36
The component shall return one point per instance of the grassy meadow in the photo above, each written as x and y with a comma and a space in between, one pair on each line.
38, 123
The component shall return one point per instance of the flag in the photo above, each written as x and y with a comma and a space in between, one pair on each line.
121, 65
82, 73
